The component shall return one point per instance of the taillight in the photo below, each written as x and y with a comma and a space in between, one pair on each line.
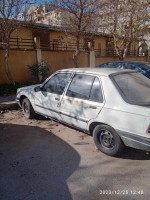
148, 130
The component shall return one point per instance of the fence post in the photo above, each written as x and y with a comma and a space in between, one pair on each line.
38, 49
92, 58
148, 56
38, 54
17, 43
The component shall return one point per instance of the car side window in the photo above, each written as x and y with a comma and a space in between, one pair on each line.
96, 92
80, 86
57, 83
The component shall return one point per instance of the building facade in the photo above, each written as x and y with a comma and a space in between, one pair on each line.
34, 42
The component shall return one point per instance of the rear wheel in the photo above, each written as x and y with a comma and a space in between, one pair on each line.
107, 140
28, 109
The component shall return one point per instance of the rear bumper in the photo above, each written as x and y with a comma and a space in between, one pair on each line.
135, 141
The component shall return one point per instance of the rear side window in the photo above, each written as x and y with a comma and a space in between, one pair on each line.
85, 87
96, 92
57, 83
80, 86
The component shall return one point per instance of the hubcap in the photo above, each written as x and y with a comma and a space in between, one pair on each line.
106, 139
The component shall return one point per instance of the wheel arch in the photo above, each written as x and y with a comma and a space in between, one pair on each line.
22, 97
94, 124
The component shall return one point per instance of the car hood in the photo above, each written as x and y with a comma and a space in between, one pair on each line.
30, 86
26, 90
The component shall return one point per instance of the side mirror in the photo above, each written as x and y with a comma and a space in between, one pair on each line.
37, 89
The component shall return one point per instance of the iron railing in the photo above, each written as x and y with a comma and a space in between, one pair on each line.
61, 46
113, 53
20, 44
29, 44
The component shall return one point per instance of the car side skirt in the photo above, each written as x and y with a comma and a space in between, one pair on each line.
64, 123
134, 141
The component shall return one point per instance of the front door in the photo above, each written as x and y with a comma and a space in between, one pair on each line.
83, 100
48, 100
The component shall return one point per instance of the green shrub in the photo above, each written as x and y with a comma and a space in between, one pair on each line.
38, 70
9, 89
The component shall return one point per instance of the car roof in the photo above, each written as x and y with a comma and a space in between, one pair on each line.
97, 71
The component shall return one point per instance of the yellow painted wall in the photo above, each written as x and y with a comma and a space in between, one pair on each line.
22, 33
18, 61
57, 35
63, 60
140, 58
100, 40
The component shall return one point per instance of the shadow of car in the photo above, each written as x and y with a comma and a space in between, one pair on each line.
35, 164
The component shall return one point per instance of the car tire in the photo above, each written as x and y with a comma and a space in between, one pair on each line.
27, 109
107, 140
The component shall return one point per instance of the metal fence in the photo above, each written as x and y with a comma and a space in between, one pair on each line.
113, 53
23, 44
61, 46
20, 44
29, 44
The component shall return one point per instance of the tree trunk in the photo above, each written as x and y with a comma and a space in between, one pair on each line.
77, 52
125, 53
121, 56
76, 59
128, 46
7, 70
119, 53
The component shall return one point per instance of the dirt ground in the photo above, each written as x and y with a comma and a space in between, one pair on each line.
44, 160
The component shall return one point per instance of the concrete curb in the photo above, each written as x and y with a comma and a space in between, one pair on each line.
9, 106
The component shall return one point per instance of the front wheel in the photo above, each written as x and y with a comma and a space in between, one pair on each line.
107, 140
28, 109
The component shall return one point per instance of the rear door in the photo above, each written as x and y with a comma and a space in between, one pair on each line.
83, 100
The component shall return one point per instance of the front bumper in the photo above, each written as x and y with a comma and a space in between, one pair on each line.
18, 101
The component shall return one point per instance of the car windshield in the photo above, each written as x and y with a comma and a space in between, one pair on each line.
134, 87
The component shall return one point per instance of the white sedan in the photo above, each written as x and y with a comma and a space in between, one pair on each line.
111, 104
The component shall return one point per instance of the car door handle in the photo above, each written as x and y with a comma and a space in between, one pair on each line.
57, 99
92, 107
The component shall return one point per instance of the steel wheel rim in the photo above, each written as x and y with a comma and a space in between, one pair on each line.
106, 139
